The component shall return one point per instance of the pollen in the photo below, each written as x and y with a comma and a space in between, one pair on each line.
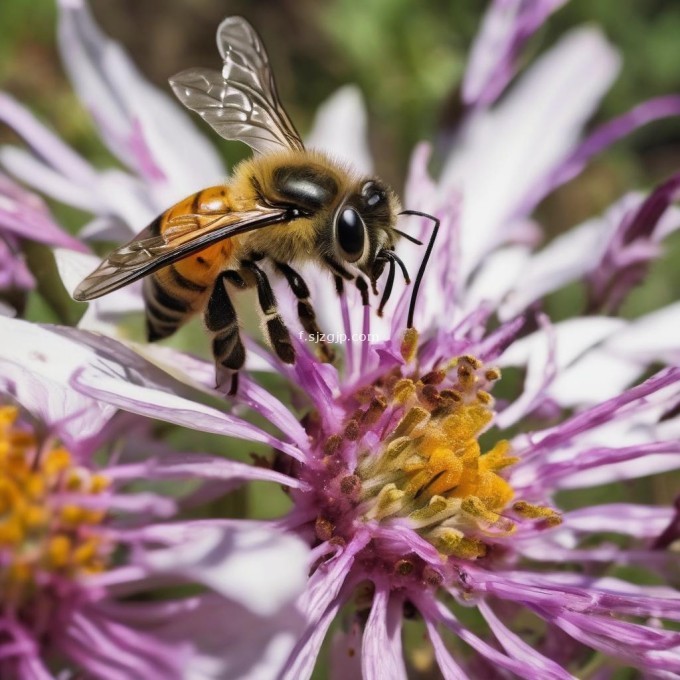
44, 530
429, 470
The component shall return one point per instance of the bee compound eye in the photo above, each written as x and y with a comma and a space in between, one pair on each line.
350, 234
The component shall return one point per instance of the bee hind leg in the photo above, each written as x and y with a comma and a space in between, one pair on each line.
305, 310
279, 337
221, 320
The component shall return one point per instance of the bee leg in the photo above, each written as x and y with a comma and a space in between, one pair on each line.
221, 320
276, 329
305, 310
361, 284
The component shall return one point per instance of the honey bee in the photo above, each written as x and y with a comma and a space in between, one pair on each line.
286, 205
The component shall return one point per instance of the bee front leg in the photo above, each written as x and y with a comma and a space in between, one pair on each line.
279, 337
305, 310
221, 320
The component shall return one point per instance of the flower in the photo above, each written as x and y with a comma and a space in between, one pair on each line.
81, 549
422, 495
23, 215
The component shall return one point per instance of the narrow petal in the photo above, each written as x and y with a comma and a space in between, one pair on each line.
229, 640
45, 143
437, 612
36, 368
201, 466
541, 371
152, 400
538, 128
641, 521
518, 649
135, 119
25, 215
382, 655
649, 338
590, 418
327, 590
346, 653
33, 172
449, 668
603, 137
506, 26
340, 129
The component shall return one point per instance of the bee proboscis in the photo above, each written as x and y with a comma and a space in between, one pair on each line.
286, 205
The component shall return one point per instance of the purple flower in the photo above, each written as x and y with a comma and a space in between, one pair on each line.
81, 548
409, 515
23, 215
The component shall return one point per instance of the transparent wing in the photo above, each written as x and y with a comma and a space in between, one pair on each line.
184, 235
240, 103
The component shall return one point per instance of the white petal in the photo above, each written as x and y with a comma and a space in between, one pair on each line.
597, 376
340, 129
258, 567
36, 174
653, 337
503, 153
572, 338
499, 273
105, 314
125, 106
37, 366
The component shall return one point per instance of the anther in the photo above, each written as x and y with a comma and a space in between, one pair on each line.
429, 395
404, 567
332, 444
403, 390
414, 418
350, 485
432, 577
324, 529
375, 410
484, 398
492, 374
433, 377
409, 345
352, 431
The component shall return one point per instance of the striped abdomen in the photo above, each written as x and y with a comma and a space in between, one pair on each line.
175, 293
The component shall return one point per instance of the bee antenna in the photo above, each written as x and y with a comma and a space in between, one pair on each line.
423, 263
408, 237
393, 256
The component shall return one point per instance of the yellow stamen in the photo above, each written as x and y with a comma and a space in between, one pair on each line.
38, 535
431, 470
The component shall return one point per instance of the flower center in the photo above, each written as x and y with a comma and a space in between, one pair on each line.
46, 527
419, 461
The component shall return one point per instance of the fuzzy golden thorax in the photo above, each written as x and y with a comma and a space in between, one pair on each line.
326, 198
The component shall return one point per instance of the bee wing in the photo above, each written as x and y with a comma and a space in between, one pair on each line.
241, 102
184, 235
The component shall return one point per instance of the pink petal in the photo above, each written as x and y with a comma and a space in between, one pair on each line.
199, 466
449, 668
382, 655
518, 649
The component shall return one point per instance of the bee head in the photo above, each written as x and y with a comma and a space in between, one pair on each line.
363, 227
